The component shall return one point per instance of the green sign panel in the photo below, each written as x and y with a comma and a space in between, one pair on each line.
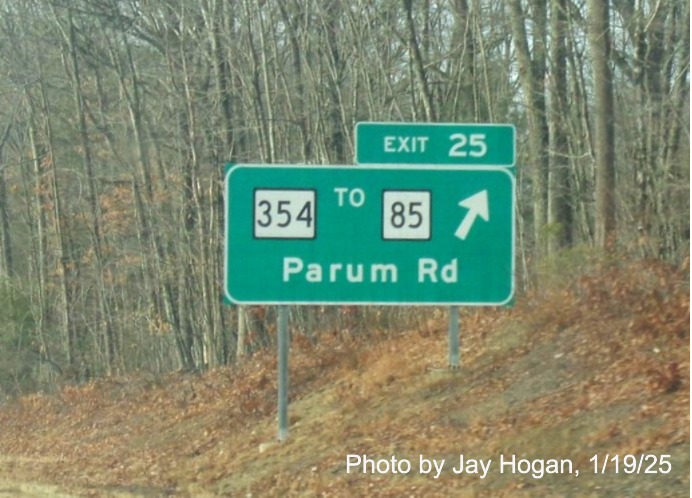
436, 144
370, 235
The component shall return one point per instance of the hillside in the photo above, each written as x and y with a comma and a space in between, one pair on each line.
596, 366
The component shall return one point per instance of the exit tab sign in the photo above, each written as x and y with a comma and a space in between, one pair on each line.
436, 144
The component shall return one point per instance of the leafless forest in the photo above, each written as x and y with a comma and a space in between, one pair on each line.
117, 117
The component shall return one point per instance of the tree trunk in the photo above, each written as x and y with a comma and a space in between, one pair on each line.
604, 131
5, 236
418, 66
68, 267
73, 70
464, 98
532, 75
559, 202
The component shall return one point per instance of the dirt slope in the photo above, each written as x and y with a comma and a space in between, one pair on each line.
586, 387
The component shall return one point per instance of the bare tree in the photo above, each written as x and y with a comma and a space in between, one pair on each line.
532, 70
5, 235
560, 190
604, 130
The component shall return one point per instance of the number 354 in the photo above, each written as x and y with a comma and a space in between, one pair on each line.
284, 214
472, 145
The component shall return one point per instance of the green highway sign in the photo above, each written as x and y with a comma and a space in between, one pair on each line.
436, 144
369, 235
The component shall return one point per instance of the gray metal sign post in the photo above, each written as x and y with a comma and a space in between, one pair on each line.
283, 371
453, 337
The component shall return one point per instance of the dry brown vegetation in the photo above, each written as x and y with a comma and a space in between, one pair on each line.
598, 365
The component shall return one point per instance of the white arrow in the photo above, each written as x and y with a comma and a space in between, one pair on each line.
477, 205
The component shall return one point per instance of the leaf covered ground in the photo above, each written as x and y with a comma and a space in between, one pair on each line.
596, 366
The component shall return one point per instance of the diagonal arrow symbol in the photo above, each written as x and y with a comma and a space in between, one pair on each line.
477, 205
